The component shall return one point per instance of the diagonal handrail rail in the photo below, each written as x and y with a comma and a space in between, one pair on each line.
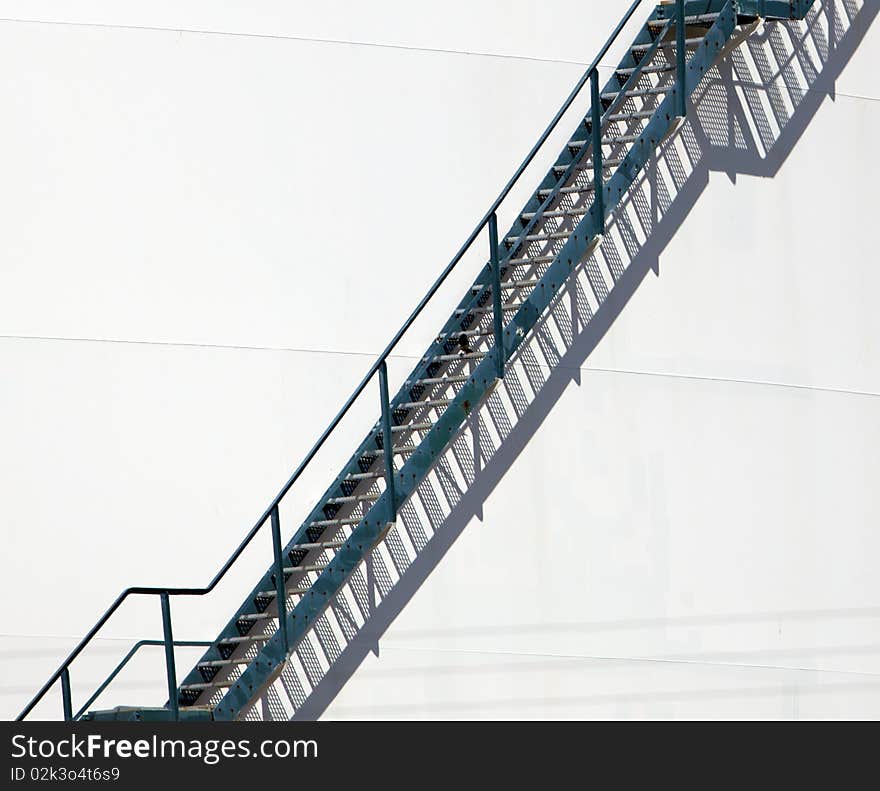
62, 671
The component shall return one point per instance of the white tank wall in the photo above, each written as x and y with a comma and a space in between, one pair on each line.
683, 522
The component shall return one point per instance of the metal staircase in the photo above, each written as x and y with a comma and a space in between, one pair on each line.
642, 104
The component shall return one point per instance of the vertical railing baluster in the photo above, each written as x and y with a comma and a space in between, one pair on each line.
387, 442
280, 590
680, 57
65, 695
596, 129
170, 670
497, 310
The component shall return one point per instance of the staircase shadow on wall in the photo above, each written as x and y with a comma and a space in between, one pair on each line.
784, 72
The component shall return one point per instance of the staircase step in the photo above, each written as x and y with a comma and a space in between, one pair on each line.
632, 116
256, 616
206, 685
539, 237
445, 358
224, 662
245, 638
478, 333
298, 591
573, 189
335, 522
319, 544
422, 426
530, 260
516, 283
629, 70
363, 476
606, 163
606, 141
529, 215
490, 309
697, 19
588, 165
623, 139
310, 567
690, 42
637, 92
435, 380
428, 402
353, 498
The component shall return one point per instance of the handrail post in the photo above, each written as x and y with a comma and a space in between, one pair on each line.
280, 592
680, 57
169, 656
497, 315
387, 442
596, 129
65, 695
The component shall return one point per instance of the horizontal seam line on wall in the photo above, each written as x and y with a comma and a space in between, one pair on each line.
347, 42
344, 42
76, 637
372, 355
307, 39
633, 659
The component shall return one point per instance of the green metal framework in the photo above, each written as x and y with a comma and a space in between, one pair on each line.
711, 23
